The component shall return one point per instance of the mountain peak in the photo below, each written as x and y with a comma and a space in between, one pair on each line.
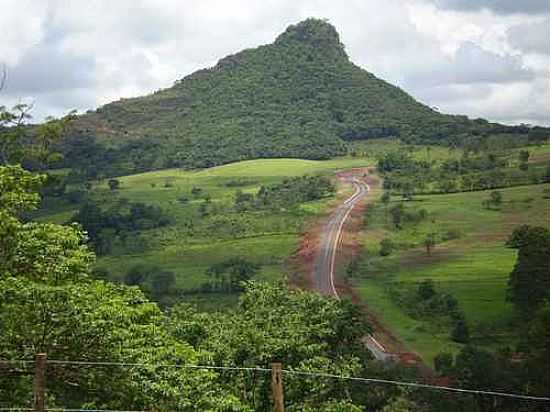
318, 33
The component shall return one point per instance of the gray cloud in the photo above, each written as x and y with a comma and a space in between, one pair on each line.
66, 55
472, 64
46, 68
531, 37
498, 6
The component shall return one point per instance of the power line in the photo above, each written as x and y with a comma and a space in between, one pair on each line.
287, 371
421, 385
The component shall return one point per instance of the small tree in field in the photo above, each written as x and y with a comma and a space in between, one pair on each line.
494, 200
114, 184
386, 197
460, 332
397, 213
429, 243
386, 247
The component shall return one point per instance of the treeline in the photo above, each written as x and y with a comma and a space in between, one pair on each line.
472, 171
104, 225
288, 193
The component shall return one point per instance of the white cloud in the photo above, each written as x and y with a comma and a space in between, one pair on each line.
456, 55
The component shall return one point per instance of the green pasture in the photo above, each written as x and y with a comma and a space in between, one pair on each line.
267, 238
473, 264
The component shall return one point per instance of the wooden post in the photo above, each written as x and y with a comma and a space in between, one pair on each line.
40, 382
277, 387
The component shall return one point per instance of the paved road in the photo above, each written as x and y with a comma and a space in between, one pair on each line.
324, 269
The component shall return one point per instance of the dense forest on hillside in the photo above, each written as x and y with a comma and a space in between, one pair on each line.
298, 97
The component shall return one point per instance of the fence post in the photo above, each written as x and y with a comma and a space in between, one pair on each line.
277, 387
40, 382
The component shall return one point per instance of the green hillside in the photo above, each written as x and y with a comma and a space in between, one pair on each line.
299, 97
469, 262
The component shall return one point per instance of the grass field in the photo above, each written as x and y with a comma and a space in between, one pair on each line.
473, 264
193, 242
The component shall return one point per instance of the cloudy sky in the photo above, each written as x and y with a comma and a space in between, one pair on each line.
483, 58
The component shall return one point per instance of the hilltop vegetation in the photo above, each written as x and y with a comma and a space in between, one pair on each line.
298, 97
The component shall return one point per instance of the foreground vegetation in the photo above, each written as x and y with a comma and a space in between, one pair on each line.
50, 303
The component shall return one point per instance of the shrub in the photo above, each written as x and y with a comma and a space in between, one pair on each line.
386, 247
114, 184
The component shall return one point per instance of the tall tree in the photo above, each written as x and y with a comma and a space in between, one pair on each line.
529, 283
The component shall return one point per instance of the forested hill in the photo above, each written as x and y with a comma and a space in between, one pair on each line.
300, 96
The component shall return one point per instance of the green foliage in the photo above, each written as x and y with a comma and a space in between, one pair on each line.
113, 184
426, 289
460, 332
429, 242
36, 251
443, 363
34, 147
529, 282
386, 247
538, 346
490, 166
397, 215
120, 220
231, 275
274, 323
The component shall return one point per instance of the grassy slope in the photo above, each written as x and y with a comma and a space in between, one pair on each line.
272, 236
474, 267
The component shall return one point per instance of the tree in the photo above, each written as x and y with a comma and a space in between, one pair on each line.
397, 215
494, 200
524, 156
303, 330
162, 283
386, 247
460, 332
386, 198
137, 275
475, 368
538, 344
114, 184
529, 282
230, 275
429, 242
426, 289
49, 303
17, 144
443, 363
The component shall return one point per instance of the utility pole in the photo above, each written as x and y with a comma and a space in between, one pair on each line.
277, 387
40, 382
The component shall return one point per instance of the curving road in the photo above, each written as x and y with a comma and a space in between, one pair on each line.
324, 268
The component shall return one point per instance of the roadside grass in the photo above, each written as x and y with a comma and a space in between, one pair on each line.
473, 264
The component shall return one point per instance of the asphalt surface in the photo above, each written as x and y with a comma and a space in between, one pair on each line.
324, 268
